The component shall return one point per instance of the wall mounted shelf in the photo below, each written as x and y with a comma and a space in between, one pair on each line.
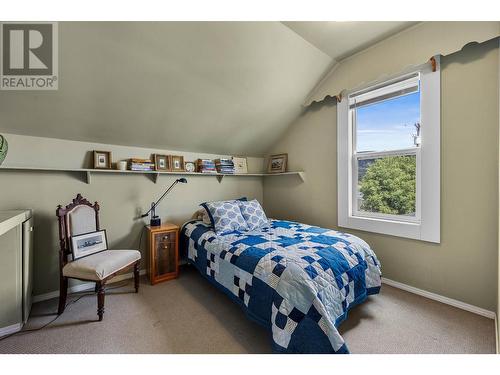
86, 174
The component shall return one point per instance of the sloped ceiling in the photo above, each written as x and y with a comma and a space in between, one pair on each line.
215, 87
402, 52
342, 39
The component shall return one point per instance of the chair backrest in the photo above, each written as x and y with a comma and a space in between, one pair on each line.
80, 216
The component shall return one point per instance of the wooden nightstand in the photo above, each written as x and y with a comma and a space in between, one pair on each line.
163, 245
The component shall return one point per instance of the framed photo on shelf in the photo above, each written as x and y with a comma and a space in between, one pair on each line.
277, 163
240, 165
162, 162
102, 159
87, 244
177, 163
189, 166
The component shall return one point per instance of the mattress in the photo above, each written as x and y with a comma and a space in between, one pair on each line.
297, 280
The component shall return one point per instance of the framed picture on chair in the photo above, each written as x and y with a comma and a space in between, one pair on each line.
87, 244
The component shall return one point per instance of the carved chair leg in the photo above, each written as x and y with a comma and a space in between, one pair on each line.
100, 299
96, 288
136, 276
63, 293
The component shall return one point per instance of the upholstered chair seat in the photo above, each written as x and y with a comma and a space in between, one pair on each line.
79, 217
101, 265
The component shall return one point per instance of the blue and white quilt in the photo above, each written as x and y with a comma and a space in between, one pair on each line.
298, 280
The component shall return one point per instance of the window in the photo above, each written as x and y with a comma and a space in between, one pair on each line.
389, 157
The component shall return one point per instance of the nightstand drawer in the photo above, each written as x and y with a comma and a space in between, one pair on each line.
165, 237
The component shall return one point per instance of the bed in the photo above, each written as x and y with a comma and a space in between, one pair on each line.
298, 280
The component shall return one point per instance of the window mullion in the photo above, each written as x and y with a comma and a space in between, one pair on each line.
382, 154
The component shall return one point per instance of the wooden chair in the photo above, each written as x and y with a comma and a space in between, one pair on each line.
80, 217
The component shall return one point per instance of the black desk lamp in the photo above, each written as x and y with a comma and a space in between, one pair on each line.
155, 220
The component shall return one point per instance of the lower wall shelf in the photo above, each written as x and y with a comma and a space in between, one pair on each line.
86, 174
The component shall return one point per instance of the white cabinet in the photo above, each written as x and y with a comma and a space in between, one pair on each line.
16, 269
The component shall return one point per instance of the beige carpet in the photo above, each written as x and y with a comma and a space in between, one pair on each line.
188, 315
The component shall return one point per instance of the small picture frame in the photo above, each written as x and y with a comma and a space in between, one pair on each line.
277, 163
87, 244
189, 166
240, 165
177, 163
102, 159
162, 162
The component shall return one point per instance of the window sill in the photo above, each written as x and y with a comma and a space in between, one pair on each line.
403, 229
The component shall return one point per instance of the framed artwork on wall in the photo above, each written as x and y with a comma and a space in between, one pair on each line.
277, 163
102, 159
240, 164
162, 162
177, 163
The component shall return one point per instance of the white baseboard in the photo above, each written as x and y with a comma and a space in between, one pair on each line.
395, 284
439, 298
4, 331
81, 287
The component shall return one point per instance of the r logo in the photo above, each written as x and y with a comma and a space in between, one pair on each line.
27, 49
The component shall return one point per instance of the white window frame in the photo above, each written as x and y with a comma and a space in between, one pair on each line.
425, 225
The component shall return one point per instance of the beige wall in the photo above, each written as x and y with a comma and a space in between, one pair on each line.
230, 87
464, 265
121, 196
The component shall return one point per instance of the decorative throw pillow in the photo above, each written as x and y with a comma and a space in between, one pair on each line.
253, 214
202, 213
225, 216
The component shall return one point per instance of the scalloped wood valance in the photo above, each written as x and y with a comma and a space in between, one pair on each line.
412, 47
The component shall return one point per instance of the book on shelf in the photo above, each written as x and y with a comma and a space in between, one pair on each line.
135, 168
141, 170
224, 161
135, 164
205, 166
136, 160
225, 170
224, 166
